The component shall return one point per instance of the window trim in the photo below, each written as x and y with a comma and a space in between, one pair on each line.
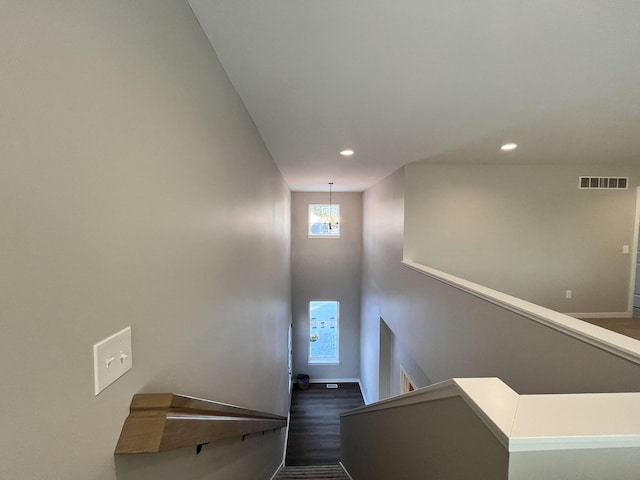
322, 235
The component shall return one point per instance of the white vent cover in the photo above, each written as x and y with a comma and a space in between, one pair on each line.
604, 183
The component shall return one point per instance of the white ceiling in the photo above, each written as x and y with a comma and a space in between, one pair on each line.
435, 80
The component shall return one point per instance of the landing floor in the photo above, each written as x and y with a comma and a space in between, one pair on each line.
314, 431
626, 326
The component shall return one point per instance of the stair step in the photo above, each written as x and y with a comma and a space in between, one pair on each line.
312, 472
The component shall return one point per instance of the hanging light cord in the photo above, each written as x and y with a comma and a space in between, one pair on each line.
330, 207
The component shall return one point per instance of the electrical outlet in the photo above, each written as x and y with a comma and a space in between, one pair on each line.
568, 294
112, 358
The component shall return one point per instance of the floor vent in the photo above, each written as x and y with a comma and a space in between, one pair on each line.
332, 385
603, 183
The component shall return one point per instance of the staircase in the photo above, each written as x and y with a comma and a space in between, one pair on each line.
319, 472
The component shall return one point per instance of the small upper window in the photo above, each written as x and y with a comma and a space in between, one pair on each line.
324, 220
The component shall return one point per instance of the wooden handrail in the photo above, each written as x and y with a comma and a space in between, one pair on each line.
165, 421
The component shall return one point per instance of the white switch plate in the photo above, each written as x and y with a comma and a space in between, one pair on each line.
112, 358
625, 249
568, 294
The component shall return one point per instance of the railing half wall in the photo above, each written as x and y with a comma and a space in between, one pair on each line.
619, 345
480, 428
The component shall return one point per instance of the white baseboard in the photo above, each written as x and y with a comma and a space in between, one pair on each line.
601, 315
334, 380
364, 396
286, 438
345, 470
277, 471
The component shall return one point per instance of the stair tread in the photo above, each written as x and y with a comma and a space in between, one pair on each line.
312, 472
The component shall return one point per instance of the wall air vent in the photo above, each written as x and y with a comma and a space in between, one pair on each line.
604, 183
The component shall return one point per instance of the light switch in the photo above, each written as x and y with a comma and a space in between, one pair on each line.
112, 358
625, 249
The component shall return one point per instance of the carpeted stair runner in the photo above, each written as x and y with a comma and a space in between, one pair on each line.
312, 472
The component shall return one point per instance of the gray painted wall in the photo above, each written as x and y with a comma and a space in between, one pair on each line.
441, 439
393, 359
402, 359
449, 333
526, 230
327, 269
383, 227
134, 190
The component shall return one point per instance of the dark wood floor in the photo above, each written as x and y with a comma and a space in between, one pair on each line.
314, 430
626, 326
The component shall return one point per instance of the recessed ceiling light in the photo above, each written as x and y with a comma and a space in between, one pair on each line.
346, 153
508, 146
